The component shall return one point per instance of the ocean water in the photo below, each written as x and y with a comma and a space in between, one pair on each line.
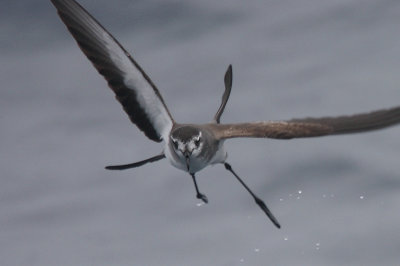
337, 198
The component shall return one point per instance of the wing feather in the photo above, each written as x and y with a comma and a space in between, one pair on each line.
135, 91
310, 127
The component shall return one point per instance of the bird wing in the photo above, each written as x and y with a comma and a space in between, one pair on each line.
137, 94
310, 127
225, 96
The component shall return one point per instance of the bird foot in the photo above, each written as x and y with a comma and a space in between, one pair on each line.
202, 197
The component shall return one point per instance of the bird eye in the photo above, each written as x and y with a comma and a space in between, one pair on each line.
175, 143
197, 142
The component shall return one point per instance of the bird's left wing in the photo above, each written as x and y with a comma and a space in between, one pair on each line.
310, 127
135, 91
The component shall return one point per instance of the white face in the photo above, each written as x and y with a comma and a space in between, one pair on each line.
189, 148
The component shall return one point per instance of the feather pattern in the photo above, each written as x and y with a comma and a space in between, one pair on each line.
135, 91
310, 127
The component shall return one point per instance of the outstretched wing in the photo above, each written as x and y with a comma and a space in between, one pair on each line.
132, 87
310, 127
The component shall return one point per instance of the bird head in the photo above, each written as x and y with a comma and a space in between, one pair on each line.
187, 143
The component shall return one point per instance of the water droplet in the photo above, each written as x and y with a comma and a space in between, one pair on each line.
300, 191
298, 197
241, 260
200, 204
317, 245
286, 238
280, 199
361, 197
256, 250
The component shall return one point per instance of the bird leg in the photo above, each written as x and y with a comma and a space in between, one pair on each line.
259, 202
137, 164
199, 195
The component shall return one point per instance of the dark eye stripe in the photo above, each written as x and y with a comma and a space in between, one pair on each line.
175, 143
197, 142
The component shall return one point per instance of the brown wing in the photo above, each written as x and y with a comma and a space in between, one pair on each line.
310, 127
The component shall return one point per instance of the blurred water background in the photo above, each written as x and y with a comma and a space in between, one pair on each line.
337, 198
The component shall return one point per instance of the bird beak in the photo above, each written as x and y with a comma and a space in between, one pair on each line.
187, 160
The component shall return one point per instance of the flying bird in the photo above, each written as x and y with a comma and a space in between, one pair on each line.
191, 147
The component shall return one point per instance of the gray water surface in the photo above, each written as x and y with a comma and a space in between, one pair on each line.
337, 198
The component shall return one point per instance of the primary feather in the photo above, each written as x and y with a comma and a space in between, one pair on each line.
135, 91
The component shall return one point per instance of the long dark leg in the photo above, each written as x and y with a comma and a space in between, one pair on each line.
257, 199
137, 164
199, 195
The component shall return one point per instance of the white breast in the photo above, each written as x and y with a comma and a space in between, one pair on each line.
196, 163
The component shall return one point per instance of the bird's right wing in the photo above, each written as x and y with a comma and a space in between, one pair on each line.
310, 127
132, 87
